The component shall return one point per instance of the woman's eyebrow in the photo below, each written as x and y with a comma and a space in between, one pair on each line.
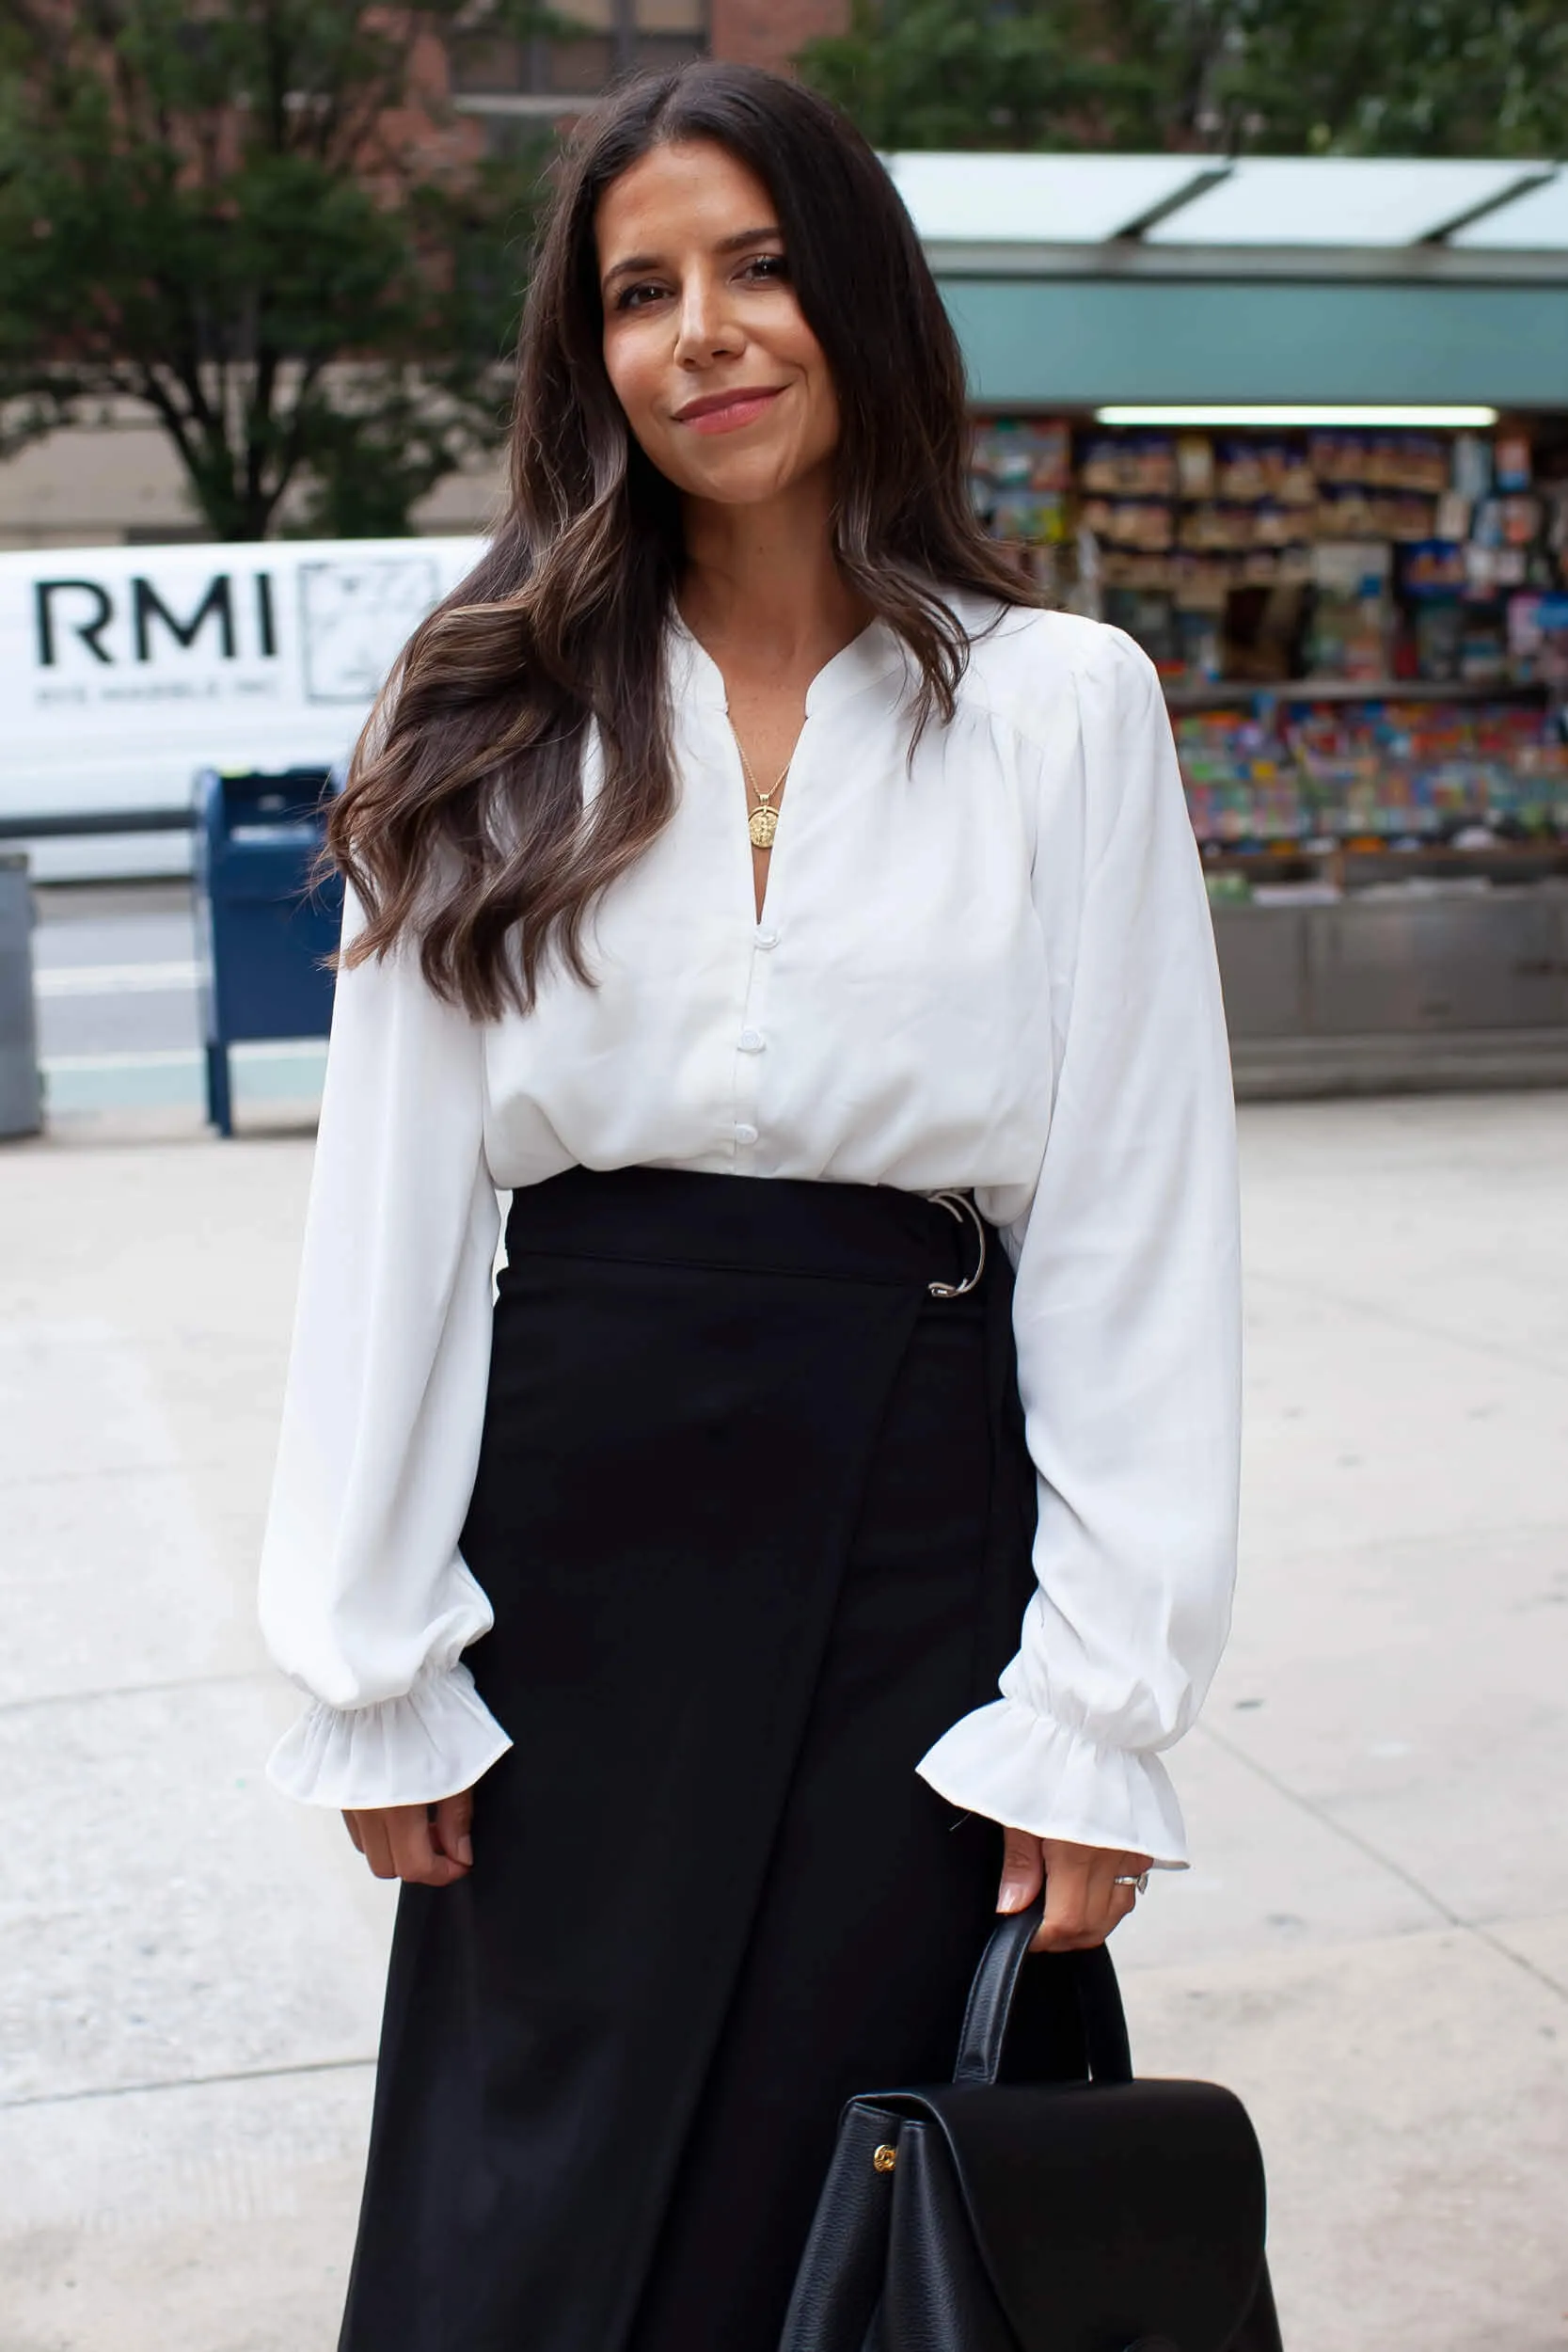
638, 263
746, 236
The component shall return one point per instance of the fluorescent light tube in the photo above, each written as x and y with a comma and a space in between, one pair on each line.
1415, 419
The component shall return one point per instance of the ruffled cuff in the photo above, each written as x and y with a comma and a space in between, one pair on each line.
435, 1741
1015, 1767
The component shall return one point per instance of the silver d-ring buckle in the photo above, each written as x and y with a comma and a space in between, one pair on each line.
958, 1204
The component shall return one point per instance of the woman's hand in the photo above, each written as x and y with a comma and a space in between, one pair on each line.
1083, 1902
427, 1845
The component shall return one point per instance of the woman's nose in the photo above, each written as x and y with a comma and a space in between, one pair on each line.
705, 328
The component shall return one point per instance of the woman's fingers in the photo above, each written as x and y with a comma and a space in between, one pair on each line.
1110, 1903
375, 1844
415, 1850
413, 1855
404, 1841
351, 1823
1021, 1870
1065, 1926
453, 1820
1082, 1901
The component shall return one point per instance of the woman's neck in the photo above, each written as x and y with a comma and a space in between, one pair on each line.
761, 589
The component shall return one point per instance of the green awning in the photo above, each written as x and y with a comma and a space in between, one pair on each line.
1080, 341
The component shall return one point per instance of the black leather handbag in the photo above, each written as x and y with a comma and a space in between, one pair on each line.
1043, 2200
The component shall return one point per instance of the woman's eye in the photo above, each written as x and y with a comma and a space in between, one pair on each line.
759, 269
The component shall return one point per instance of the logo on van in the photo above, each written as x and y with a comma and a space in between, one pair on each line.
112, 641
85, 610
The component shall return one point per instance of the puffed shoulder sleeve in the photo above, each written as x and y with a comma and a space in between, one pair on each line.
1127, 1313
365, 1600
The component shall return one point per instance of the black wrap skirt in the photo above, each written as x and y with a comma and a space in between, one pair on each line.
754, 1509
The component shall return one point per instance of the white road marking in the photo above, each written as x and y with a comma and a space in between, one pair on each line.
187, 1057
114, 979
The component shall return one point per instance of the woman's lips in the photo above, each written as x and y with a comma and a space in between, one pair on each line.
729, 415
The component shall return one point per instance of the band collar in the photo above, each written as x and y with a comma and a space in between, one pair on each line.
695, 677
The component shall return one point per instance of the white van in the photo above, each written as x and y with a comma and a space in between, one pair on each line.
124, 670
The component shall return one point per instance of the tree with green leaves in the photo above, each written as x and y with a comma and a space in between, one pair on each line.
253, 218
1408, 77
968, 73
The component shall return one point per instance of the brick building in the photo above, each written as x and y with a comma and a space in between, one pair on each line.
508, 82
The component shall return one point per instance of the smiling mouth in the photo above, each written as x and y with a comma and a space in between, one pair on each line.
726, 412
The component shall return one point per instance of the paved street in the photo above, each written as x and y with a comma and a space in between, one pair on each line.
115, 970
119, 1024
1374, 1947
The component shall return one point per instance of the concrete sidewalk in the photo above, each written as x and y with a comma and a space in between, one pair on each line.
1373, 1948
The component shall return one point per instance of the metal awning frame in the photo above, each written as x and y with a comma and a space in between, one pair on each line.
1150, 243
1126, 257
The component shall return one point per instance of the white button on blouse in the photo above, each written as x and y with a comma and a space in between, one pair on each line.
988, 966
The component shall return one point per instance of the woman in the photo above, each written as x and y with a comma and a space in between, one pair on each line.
808, 934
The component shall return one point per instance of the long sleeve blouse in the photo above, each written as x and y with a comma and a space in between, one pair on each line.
989, 966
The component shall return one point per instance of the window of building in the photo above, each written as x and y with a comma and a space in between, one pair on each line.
498, 75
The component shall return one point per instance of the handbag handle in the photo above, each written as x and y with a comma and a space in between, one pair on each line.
1089, 1978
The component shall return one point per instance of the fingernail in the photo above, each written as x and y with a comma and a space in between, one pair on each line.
1011, 1899
466, 1851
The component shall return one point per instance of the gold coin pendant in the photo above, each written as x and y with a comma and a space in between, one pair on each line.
762, 825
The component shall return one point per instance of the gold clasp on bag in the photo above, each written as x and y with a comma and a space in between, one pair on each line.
883, 2158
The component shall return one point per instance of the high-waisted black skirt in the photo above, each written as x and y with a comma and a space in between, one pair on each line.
753, 1510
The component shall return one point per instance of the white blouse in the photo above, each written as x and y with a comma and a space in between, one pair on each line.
994, 968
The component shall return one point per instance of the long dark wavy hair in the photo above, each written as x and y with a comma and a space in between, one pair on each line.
462, 821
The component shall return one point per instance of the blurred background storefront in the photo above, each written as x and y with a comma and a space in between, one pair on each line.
1300, 427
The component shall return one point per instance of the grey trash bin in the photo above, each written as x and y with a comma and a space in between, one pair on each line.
20, 1097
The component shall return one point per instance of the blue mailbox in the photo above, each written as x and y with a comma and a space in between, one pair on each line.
268, 927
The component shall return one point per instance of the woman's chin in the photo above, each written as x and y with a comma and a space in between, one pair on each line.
749, 481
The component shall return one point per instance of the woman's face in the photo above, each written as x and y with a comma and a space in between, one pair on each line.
723, 383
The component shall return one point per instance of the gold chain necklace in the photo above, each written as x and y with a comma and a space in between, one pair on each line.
763, 823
